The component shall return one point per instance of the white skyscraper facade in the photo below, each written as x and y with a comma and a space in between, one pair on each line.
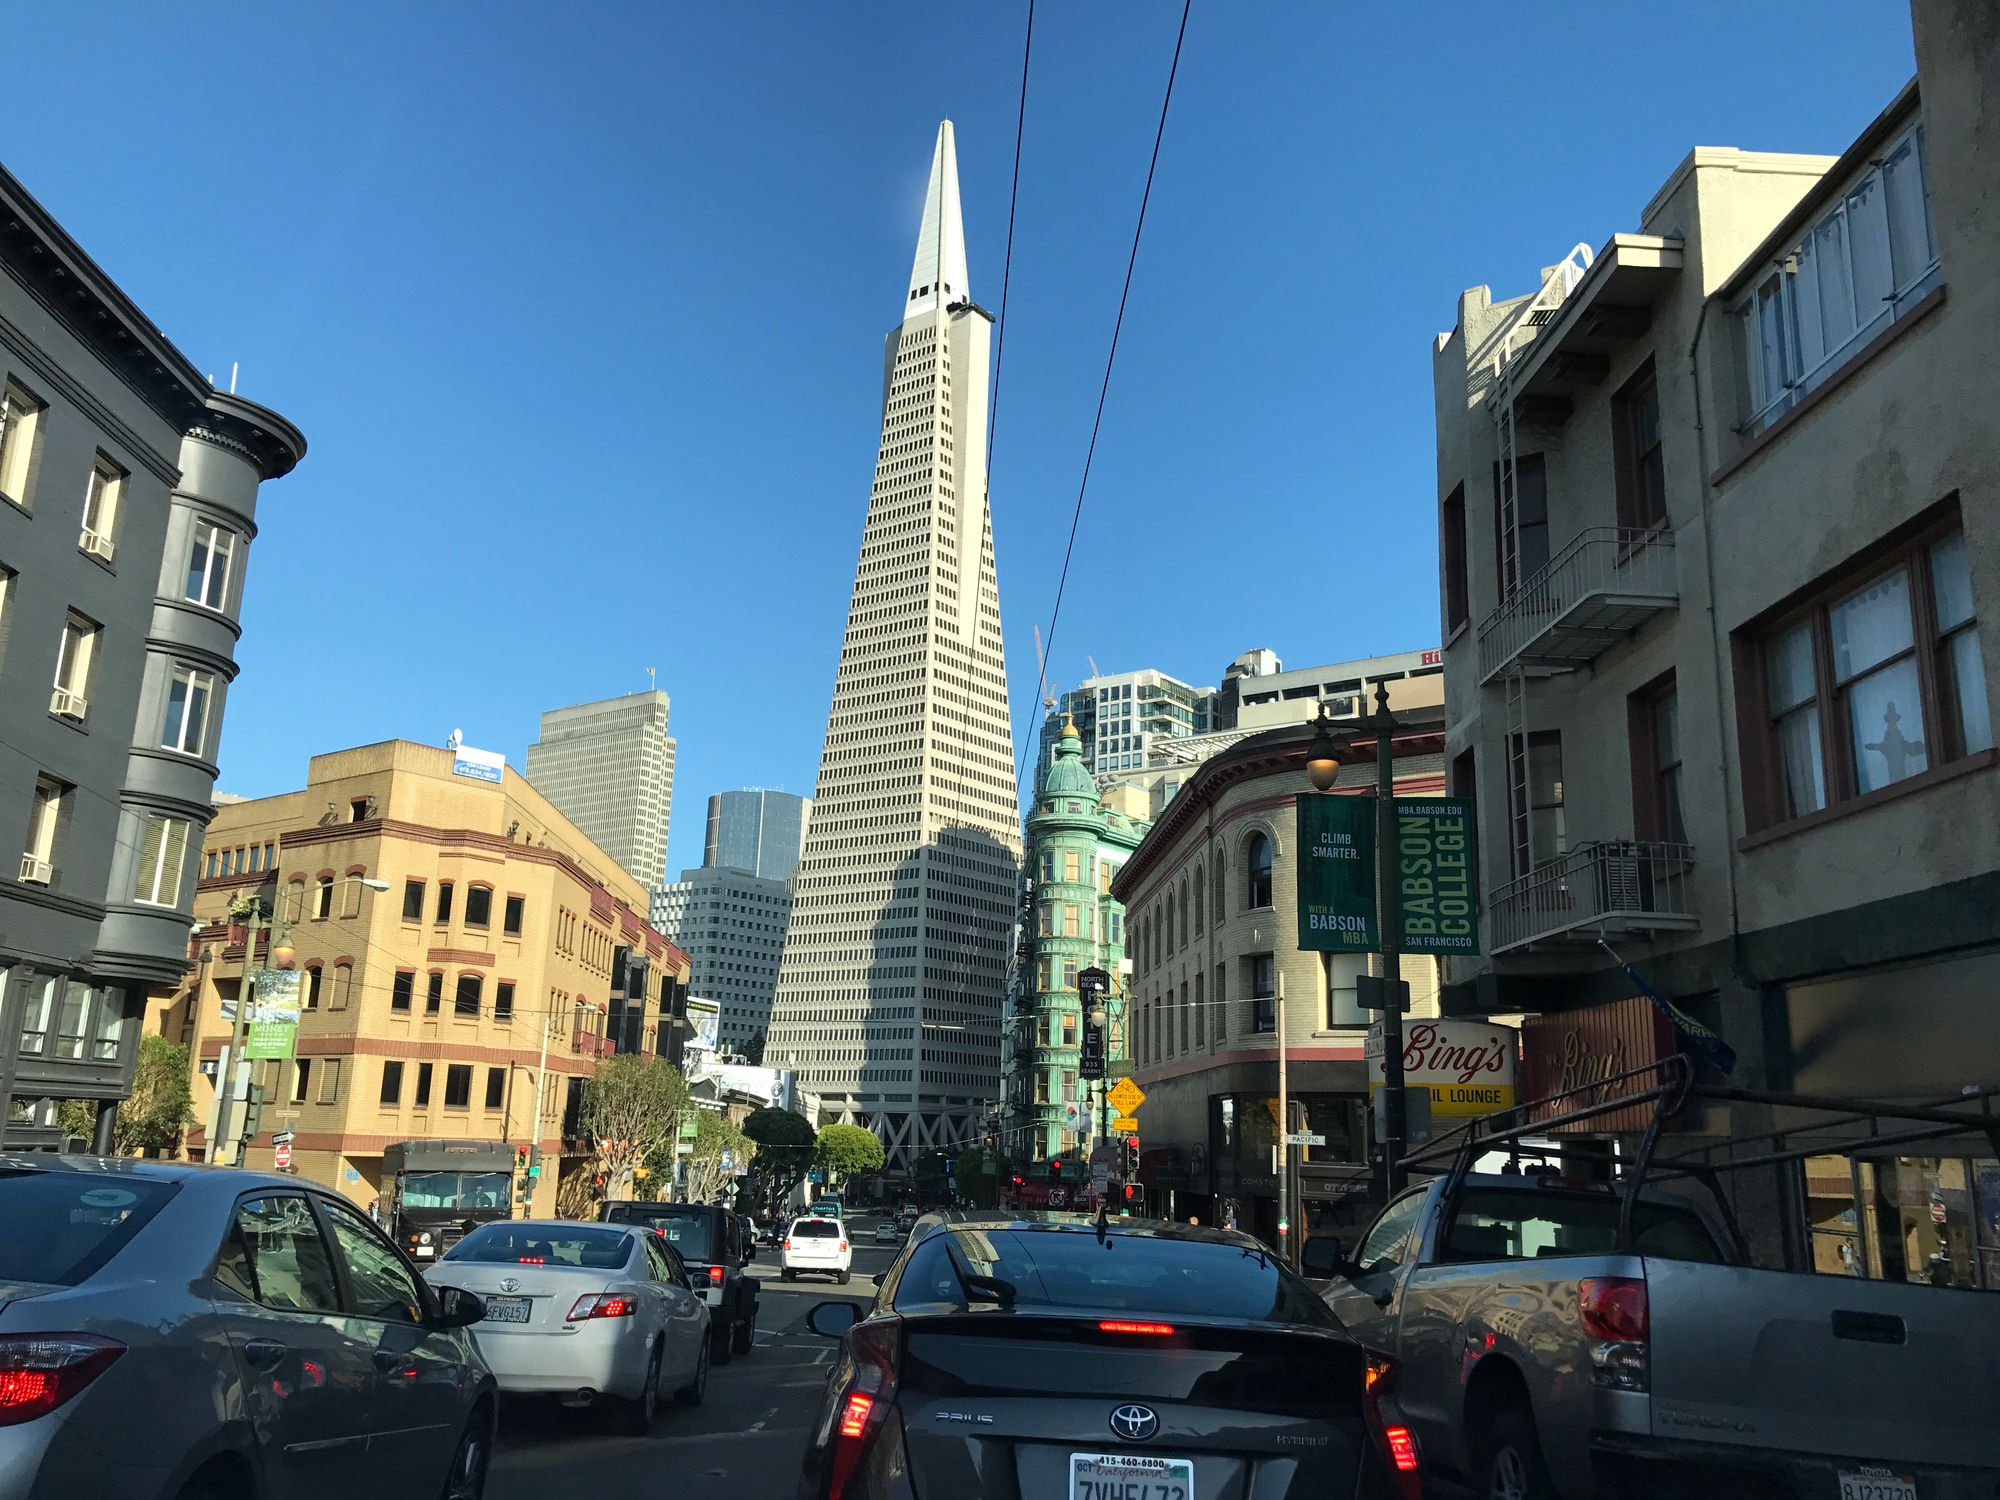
609, 767
892, 979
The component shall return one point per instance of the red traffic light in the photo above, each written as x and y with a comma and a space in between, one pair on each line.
1017, 1182
521, 1155
1055, 1169
1133, 1143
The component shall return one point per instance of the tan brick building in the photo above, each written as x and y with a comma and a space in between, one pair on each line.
425, 1007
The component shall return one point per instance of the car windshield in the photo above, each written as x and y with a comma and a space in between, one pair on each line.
815, 1229
544, 1244
455, 1189
1170, 1276
62, 1226
686, 1229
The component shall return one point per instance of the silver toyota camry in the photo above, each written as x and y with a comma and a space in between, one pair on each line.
173, 1332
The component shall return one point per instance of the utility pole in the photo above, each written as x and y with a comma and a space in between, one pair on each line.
232, 1061
1395, 1120
1284, 1145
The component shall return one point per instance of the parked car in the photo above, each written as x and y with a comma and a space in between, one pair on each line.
711, 1243
180, 1331
1127, 1359
1559, 1338
592, 1314
819, 1246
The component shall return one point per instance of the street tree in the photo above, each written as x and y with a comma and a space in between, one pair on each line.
843, 1150
632, 1107
151, 1119
784, 1141
714, 1136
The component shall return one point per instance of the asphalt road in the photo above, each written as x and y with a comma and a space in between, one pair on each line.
744, 1441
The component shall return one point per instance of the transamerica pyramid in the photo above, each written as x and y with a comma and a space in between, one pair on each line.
892, 979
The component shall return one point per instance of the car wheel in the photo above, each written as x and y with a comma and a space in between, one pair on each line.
786, 1274
466, 1479
842, 1278
719, 1338
692, 1393
1510, 1461
635, 1417
745, 1337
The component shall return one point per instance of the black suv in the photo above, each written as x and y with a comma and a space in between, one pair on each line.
713, 1247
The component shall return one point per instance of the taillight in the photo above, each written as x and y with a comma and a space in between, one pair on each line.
1158, 1330
40, 1371
788, 1242
1397, 1442
864, 1401
843, 1244
601, 1305
715, 1275
1614, 1315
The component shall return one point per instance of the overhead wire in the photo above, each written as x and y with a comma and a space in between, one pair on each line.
1104, 390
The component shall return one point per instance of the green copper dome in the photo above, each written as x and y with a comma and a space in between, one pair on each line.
1066, 776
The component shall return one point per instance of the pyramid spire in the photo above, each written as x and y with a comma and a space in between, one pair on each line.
937, 275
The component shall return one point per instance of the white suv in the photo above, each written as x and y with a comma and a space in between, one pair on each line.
815, 1244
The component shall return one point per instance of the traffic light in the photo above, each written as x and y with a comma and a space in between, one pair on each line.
1055, 1168
521, 1158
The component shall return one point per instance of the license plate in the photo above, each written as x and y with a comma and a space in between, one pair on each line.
1876, 1484
1129, 1476
506, 1310
425, 1252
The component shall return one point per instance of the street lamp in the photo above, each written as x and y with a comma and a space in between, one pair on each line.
1322, 768
251, 907
542, 1066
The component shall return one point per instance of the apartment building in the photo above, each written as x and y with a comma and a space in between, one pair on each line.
1212, 930
1719, 508
128, 503
507, 955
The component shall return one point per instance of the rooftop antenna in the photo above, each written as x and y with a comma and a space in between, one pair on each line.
232, 377
1042, 667
651, 682
1093, 665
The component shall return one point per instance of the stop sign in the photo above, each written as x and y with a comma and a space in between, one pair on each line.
282, 1156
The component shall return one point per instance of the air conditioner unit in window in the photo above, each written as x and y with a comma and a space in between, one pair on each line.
96, 545
69, 705
36, 871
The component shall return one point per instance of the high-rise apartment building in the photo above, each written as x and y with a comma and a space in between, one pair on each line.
892, 981
609, 767
1119, 716
759, 831
732, 926
128, 498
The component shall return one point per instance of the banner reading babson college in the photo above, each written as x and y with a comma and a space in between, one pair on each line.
1434, 873
1337, 874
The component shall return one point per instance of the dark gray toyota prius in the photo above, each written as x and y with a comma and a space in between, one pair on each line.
1131, 1359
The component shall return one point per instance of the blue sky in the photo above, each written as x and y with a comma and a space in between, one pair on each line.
581, 309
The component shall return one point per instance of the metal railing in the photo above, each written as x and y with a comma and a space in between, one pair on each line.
1624, 885
590, 1044
1605, 581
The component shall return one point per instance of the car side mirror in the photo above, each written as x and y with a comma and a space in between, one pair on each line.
832, 1319
458, 1308
1322, 1259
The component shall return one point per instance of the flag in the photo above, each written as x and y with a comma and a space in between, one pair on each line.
1701, 1041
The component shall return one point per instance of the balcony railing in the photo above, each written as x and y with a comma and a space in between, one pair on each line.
1595, 890
590, 1045
1593, 594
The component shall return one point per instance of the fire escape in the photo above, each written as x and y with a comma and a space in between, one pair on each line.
1593, 593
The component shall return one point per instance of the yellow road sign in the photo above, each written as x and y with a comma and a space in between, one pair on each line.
1125, 1125
1126, 1097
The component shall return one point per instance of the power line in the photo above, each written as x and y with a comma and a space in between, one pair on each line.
1090, 453
1007, 263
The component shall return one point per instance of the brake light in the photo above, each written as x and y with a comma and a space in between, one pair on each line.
531, 1260
843, 1244
601, 1305
1615, 1318
788, 1242
40, 1371
1112, 1325
1397, 1443
715, 1274
1402, 1449
1613, 1307
864, 1403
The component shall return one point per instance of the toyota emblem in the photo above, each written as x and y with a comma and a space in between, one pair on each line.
509, 1284
1135, 1423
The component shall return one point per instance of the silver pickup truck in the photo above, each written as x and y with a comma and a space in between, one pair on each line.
1536, 1361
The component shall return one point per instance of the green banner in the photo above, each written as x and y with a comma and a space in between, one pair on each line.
1336, 867
271, 1030
1434, 866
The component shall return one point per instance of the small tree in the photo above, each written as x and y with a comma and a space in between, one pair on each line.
160, 1107
632, 1107
715, 1135
754, 1049
784, 1141
843, 1150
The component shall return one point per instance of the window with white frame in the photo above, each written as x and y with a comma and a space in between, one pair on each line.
73, 662
1861, 265
44, 820
162, 857
20, 421
209, 562
101, 499
187, 710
